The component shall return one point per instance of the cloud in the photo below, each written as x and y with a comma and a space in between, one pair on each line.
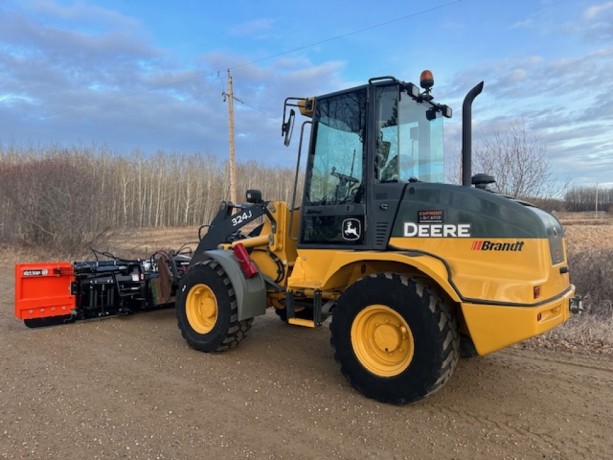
594, 24
61, 82
82, 73
252, 28
597, 24
564, 101
81, 13
596, 11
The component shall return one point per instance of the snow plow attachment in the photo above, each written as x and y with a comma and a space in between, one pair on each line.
52, 293
43, 292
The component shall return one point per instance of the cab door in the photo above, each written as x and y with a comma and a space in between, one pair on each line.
333, 207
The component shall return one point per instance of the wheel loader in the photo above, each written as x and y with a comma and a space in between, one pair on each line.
412, 271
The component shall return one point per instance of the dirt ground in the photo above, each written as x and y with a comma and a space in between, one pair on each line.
130, 387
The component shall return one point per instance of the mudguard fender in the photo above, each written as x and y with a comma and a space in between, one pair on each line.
250, 292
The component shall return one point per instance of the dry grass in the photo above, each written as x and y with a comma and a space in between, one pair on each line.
589, 240
582, 333
131, 243
585, 218
143, 242
590, 251
580, 237
590, 256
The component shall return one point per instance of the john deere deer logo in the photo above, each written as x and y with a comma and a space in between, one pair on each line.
352, 229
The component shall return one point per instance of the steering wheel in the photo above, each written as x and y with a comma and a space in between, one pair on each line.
343, 178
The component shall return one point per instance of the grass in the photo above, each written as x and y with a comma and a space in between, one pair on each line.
586, 333
589, 239
590, 254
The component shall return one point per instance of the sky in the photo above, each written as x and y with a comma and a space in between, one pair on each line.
149, 75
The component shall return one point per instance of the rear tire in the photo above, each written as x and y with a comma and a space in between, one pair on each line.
207, 311
394, 338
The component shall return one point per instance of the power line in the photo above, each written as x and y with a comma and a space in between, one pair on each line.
254, 109
348, 34
200, 75
302, 47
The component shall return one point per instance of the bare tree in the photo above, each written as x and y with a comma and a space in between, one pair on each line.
518, 162
51, 199
66, 198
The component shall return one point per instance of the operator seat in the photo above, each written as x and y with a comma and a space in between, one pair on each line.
383, 152
390, 171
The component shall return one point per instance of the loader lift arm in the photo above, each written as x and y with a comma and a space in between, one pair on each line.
230, 219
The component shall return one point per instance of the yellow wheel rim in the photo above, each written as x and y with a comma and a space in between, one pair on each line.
201, 308
382, 340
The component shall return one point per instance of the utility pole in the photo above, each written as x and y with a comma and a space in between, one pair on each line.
230, 97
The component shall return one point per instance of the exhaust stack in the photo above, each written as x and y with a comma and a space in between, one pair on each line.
467, 134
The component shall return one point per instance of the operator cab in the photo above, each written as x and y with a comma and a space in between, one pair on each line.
366, 144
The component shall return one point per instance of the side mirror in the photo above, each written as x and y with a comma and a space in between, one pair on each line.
287, 127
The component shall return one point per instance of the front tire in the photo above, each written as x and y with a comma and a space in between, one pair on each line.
207, 311
394, 338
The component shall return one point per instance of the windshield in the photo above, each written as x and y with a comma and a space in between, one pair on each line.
408, 145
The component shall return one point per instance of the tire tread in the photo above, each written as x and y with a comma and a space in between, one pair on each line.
448, 337
237, 330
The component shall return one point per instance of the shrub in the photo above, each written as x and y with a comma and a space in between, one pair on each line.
49, 201
591, 273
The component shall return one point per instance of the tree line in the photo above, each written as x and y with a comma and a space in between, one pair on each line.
581, 199
66, 198
518, 162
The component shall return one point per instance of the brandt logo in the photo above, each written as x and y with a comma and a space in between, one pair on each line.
352, 229
486, 245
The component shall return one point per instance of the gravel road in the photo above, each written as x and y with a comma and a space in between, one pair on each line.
131, 388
